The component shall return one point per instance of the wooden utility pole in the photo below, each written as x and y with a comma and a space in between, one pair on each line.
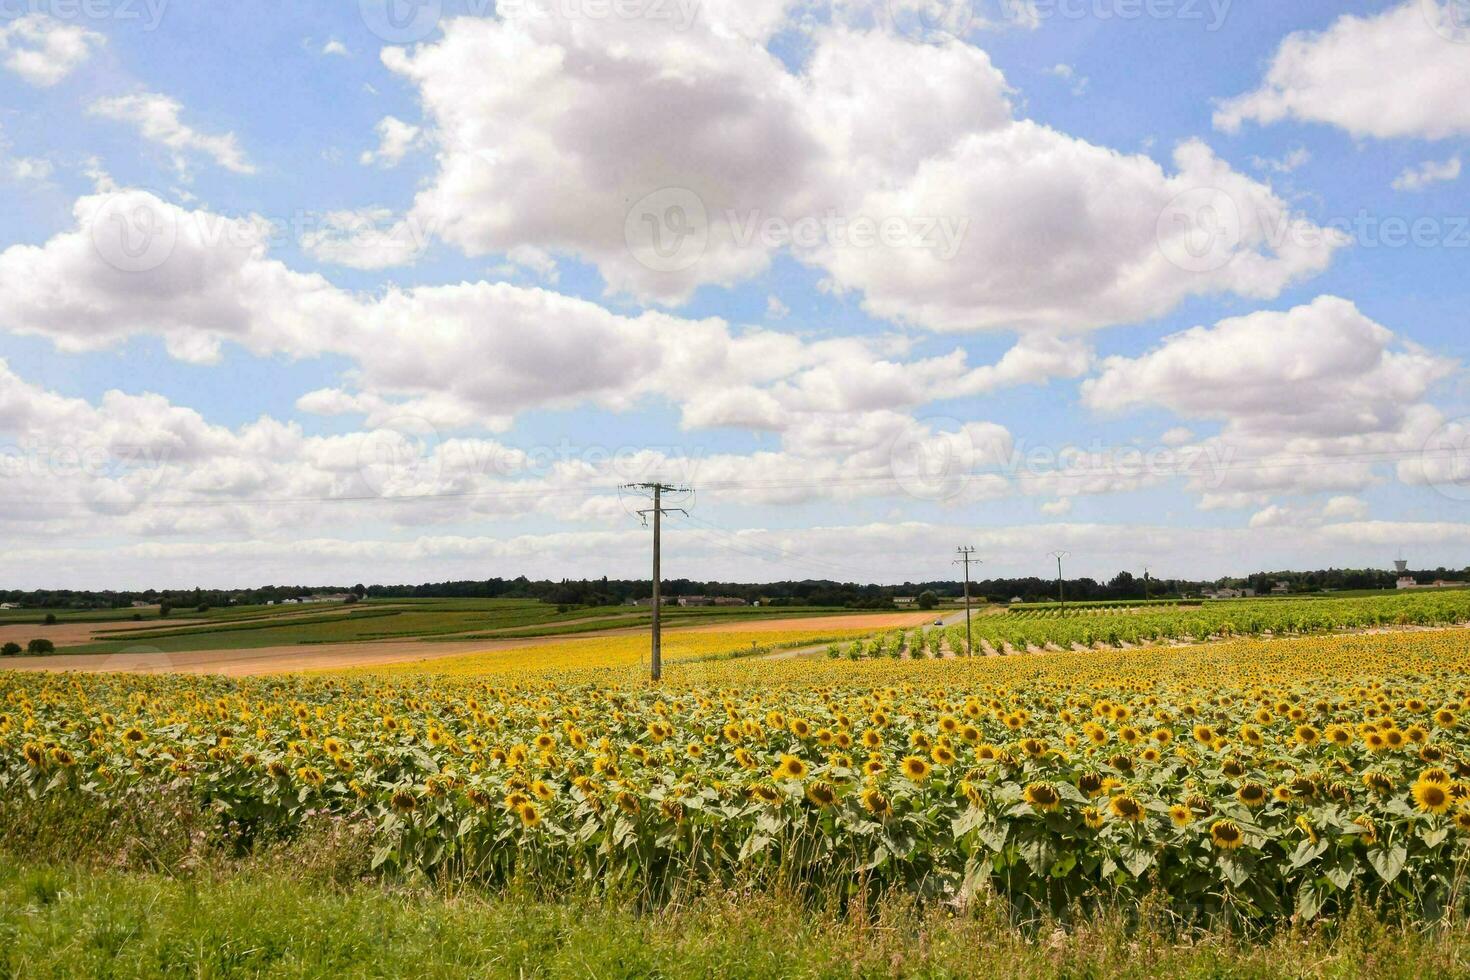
966, 556
656, 660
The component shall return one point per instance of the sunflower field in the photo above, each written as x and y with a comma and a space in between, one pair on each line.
1255, 779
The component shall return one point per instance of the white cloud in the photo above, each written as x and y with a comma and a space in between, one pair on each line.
157, 119
1318, 398
1345, 509
1427, 173
1294, 160
776, 309
1323, 369
368, 238
554, 136
882, 552
1385, 76
395, 139
43, 50
136, 265
337, 48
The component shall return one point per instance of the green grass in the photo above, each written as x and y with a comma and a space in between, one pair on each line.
65, 921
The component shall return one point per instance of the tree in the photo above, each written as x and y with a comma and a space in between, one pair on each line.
928, 600
164, 609
50, 619
10, 650
359, 590
351, 600
40, 648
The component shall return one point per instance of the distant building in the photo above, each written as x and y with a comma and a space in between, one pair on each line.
1281, 588
662, 601
1409, 582
140, 604
1228, 593
705, 600
9, 605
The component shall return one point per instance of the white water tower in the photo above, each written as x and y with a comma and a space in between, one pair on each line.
1402, 566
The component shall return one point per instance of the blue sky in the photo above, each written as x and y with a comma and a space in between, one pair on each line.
405, 323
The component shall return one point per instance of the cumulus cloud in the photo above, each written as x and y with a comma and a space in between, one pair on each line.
907, 180
1323, 369
1312, 399
137, 265
395, 139
1415, 87
1428, 173
156, 118
43, 50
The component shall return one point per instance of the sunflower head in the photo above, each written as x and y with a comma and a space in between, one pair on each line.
915, 768
876, 803
1432, 797
821, 793
1181, 815
1226, 835
1042, 796
1126, 808
1252, 794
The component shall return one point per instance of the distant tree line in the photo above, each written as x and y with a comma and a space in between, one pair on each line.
613, 592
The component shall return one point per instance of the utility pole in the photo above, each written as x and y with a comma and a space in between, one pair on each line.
1061, 589
964, 559
656, 660
1145, 583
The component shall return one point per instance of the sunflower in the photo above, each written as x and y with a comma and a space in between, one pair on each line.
1432, 797
872, 739
790, 767
764, 793
529, 815
1092, 817
1090, 783
1226, 835
1252, 795
403, 801
1379, 782
1181, 815
1126, 808
876, 803
1042, 796
1462, 820
627, 802
942, 755
35, 754
1434, 775
915, 768
1307, 735
821, 793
